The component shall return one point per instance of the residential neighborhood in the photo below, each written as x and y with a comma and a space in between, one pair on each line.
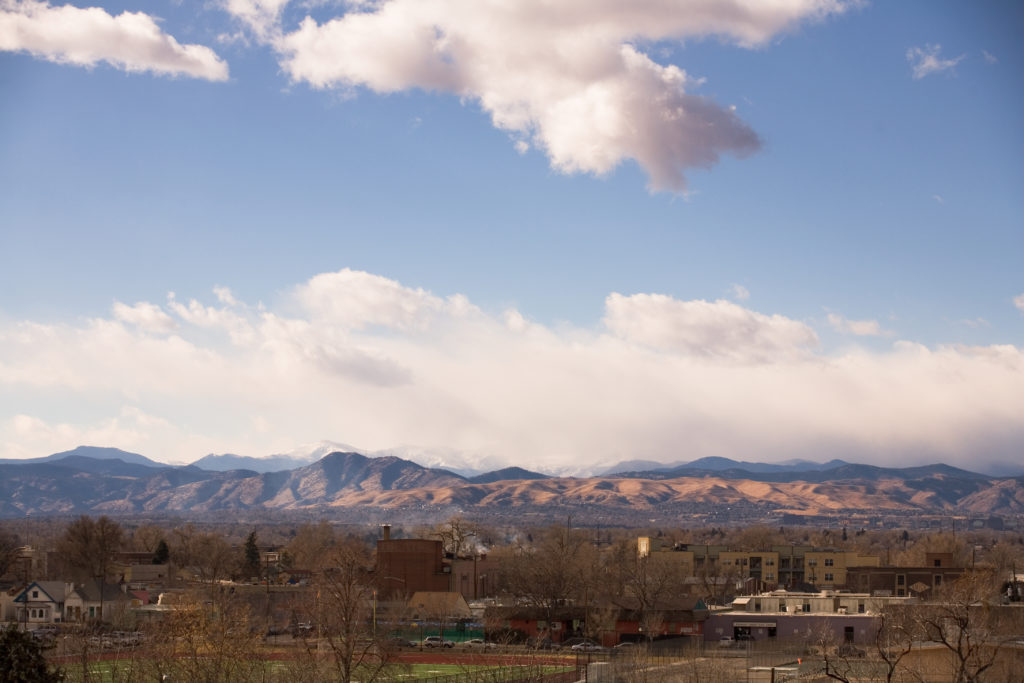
554, 589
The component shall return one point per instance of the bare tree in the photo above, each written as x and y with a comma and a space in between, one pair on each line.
553, 571
344, 609
717, 581
145, 538
894, 640
208, 554
966, 621
204, 639
9, 544
456, 535
311, 545
89, 546
599, 620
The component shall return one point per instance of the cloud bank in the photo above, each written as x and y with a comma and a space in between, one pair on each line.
573, 79
363, 359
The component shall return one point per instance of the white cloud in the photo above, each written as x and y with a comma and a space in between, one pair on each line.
570, 78
30, 436
925, 61
132, 41
860, 328
719, 329
740, 292
262, 17
1018, 301
989, 57
145, 316
235, 324
354, 300
363, 359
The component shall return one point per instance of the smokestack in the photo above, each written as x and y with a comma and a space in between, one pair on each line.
385, 532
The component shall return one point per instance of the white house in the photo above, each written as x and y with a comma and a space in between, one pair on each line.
42, 602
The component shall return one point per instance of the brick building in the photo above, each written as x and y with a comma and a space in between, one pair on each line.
408, 565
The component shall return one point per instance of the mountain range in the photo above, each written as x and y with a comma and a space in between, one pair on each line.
111, 481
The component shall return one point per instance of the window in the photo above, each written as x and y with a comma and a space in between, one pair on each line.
35, 595
812, 563
937, 563
938, 580
829, 576
860, 607
901, 579
770, 562
829, 562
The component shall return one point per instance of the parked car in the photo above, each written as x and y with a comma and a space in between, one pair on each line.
125, 639
478, 644
303, 628
726, 641
576, 640
542, 644
400, 642
437, 641
587, 646
46, 634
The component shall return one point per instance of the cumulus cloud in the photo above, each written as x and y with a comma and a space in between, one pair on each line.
355, 300
132, 41
859, 328
364, 359
925, 61
718, 329
145, 316
740, 292
571, 79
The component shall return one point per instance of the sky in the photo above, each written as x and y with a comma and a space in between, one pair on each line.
554, 235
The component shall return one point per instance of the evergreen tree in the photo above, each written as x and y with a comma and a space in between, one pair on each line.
21, 659
251, 560
162, 553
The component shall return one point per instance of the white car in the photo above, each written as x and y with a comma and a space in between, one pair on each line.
437, 641
478, 643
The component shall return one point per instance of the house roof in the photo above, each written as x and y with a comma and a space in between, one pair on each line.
90, 592
53, 590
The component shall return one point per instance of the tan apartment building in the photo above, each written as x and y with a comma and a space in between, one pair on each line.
784, 565
827, 568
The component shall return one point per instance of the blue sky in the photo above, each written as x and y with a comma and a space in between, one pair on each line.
661, 232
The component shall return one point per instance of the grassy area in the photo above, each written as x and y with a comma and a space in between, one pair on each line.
127, 670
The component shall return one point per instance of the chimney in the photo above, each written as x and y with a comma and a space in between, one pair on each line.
385, 532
